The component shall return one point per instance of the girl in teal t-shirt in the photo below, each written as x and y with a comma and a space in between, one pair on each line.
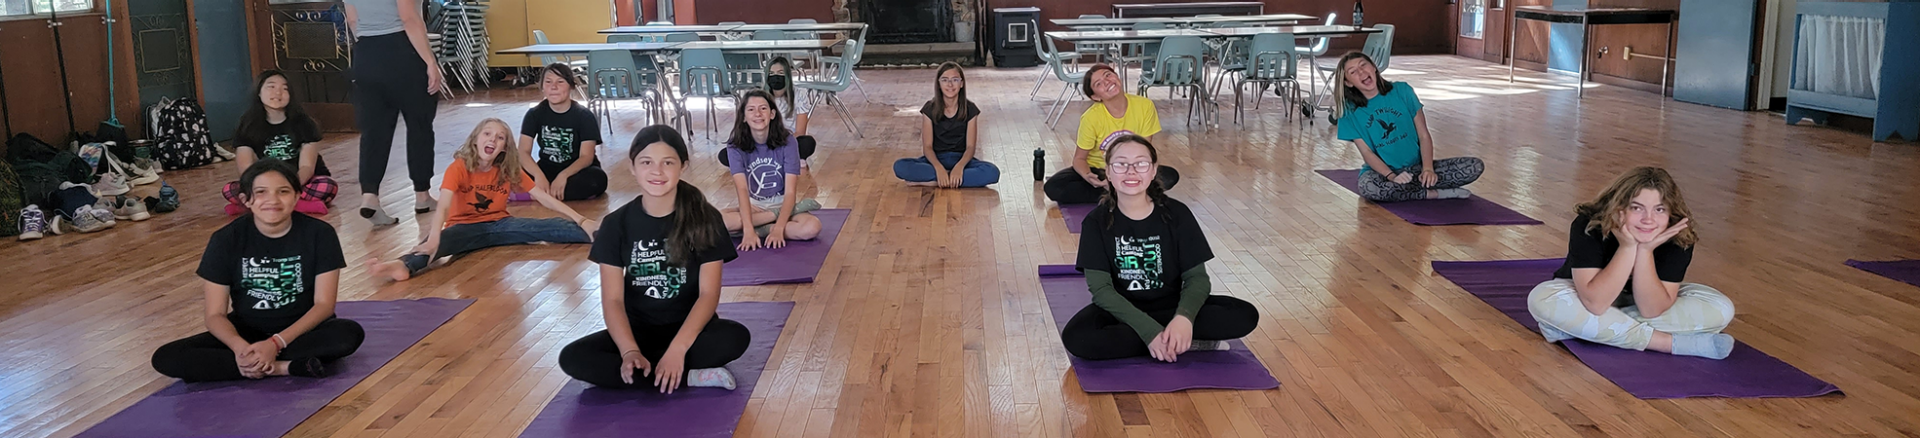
1385, 120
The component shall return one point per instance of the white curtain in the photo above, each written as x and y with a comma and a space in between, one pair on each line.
1839, 55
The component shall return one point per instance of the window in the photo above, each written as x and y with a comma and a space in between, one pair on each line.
12, 8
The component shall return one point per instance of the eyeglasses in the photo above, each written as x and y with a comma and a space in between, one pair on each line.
953, 80
1139, 167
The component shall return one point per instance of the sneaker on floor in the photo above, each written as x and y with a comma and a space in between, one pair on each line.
111, 184
168, 201
1203, 345
423, 206
58, 225
223, 153
103, 215
130, 208
32, 223
377, 216
710, 378
86, 222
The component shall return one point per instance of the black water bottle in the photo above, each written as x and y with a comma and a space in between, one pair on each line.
1039, 164
1357, 22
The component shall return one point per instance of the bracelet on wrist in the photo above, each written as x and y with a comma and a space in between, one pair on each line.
279, 341
625, 353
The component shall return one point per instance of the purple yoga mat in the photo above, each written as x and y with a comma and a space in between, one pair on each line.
1075, 214
1904, 270
581, 410
1236, 368
1471, 211
1747, 373
797, 262
272, 407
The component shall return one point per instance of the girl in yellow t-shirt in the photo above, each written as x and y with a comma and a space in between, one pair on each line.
1114, 114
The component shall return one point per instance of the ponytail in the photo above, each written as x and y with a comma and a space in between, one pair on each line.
694, 224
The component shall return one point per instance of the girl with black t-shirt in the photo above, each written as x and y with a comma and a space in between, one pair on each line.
562, 136
660, 258
1627, 254
949, 138
271, 278
1144, 257
276, 126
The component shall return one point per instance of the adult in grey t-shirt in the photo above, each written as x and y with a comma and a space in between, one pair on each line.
394, 76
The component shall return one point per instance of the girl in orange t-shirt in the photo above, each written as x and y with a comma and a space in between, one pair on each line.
473, 206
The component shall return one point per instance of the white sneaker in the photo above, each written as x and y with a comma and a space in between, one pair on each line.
710, 378
225, 155
111, 184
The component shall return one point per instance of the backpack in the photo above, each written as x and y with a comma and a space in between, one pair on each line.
41, 168
11, 201
180, 134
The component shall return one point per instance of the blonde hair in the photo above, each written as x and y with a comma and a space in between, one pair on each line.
507, 161
1603, 212
1345, 97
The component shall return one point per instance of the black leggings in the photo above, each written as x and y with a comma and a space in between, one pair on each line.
585, 184
596, 359
1094, 334
1067, 187
806, 149
389, 81
203, 358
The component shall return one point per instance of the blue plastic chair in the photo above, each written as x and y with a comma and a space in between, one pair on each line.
842, 80
1048, 56
1270, 62
1069, 80
1179, 65
610, 77
703, 74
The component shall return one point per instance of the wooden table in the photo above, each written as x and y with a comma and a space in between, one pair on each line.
1180, 21
1587, 18
1196, 8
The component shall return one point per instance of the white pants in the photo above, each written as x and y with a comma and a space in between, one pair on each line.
1698, 309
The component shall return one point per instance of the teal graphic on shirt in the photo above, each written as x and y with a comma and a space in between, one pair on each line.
274, 282
1139, 262
282, 148
647, 267
556, 144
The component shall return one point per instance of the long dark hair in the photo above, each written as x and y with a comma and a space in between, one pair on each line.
939, 102
256, 116
695, 221
783, 62
743, 134
1350, 98
1155, 192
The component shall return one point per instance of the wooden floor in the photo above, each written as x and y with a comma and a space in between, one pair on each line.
927, 319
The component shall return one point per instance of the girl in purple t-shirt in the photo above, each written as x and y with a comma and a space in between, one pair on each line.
765, 160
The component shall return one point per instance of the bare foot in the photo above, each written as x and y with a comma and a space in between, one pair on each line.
394, 270
279, 368
922, 184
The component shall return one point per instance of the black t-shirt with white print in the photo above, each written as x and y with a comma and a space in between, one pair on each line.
271, 279
557, 137
1595, 249
282, 141
1145, 257
657, 293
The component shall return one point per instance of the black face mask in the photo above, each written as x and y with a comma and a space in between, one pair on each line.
776, 82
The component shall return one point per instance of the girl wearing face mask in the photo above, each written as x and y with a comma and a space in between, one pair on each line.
1113, 114
949, 138
1622, 284
270, 278
794, 108
276, 126
562, 138
660, 258
1145, 258
1386, 122
473, 206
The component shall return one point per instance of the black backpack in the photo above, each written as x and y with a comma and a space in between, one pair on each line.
180, 135
12, 201
41, 168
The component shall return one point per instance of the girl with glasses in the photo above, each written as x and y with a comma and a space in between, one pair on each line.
950, 136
